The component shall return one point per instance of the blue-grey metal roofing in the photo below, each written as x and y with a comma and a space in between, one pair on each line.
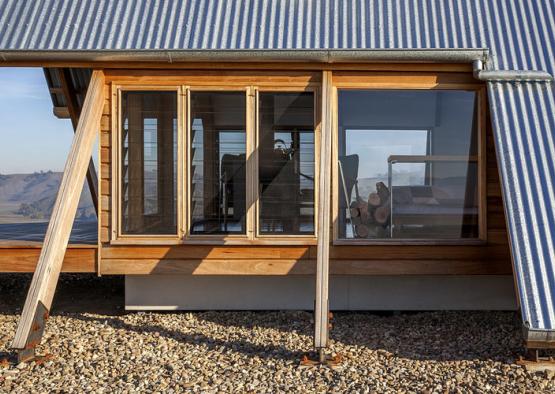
520, 34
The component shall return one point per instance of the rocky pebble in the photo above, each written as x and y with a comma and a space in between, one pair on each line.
220, 352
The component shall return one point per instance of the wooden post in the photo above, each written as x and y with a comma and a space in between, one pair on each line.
39, 299
321, 312
74, 112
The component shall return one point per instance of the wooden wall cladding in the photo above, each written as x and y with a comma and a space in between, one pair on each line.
489, 258
24, 258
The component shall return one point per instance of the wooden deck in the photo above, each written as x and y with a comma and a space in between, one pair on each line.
18, 256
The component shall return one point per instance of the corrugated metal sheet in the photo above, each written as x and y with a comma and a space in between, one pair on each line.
519, 33
524, 122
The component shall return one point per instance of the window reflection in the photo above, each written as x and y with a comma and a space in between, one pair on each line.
408, 164
286, 163
149, 162
218, 147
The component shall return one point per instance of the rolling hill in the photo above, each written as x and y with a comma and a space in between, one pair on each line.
30, 197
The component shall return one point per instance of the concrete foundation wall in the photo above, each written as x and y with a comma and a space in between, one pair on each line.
175, 292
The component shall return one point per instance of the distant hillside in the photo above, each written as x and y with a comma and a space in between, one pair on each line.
30, 197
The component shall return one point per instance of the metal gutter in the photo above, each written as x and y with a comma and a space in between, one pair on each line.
509, 75
538, 339
250, 55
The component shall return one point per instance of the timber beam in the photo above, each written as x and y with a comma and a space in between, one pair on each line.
41, 292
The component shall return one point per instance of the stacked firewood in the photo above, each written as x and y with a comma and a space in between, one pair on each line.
371, 217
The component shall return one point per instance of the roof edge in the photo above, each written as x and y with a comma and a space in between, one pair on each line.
509, 75
538, 338
250, 55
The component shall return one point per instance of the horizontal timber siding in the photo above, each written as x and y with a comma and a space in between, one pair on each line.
24, 258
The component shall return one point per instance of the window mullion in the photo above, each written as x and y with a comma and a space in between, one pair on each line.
182, 146
185, 178
252, 167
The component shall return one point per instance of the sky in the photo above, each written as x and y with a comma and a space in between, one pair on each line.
32, 138
375, 146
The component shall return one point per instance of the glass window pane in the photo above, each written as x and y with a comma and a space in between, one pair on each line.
218, 163
286, 163
408, 164
149, 163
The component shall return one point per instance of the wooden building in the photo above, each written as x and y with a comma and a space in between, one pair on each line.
351, 167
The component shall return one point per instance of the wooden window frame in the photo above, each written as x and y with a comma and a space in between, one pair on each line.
427, 82
225, 239
183, 235
377, 79
117, 237
288, 238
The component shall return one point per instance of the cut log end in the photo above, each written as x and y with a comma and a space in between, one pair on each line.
374, 200
361, 231
381, 214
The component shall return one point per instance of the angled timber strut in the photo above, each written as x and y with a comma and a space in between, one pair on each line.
43, 285
74, 111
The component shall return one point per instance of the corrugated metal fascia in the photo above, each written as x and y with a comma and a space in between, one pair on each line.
524, 130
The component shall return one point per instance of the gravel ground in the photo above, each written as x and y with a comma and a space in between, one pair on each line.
95, 346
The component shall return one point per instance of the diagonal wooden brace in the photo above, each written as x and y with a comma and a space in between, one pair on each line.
39, 299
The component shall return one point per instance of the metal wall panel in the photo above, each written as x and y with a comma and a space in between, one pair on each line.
519, 33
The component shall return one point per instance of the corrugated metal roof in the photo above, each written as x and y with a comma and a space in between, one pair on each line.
519, 33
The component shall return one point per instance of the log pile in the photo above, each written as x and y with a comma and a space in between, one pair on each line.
371, 217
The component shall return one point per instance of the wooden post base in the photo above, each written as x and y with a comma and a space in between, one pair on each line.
321, 359
37, 329
533, 362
